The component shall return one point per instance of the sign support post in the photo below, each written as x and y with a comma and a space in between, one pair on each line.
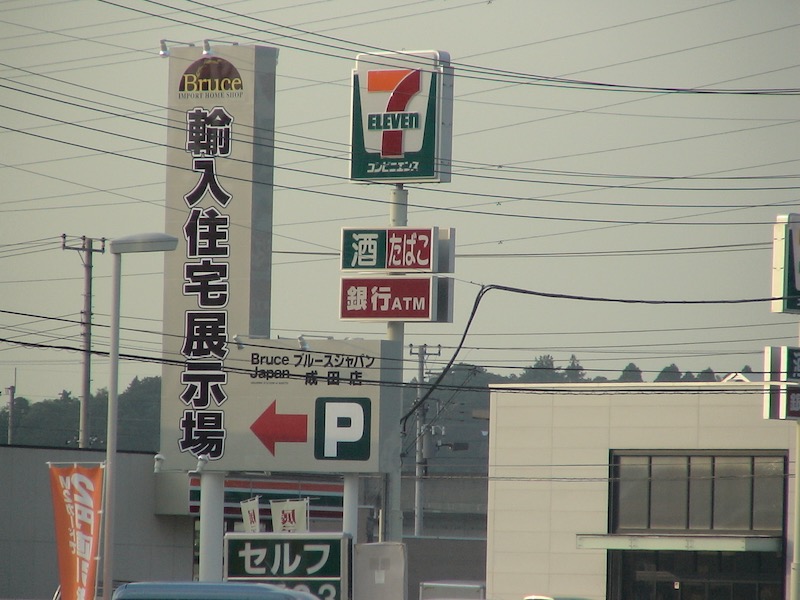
212, 525
395, 331
794, 592
350, 505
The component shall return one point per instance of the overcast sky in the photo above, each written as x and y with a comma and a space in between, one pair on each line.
587, 163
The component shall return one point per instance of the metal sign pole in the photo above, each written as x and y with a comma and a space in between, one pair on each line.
395, 331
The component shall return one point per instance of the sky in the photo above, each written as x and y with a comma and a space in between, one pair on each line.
622, 162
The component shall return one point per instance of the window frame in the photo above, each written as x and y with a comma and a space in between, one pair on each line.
696, 518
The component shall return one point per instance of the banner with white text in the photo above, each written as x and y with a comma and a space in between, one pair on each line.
77, 507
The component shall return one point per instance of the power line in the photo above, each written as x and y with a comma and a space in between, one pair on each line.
525, 388
495, 214
490, 74
495, 168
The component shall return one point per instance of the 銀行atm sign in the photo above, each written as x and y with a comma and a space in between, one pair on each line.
389, 298
393, 249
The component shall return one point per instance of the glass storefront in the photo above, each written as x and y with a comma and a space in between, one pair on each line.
682, 575
697, 493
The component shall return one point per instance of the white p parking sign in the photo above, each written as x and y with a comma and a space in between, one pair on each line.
342, 429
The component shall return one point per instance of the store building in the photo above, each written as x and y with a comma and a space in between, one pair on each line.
639, 490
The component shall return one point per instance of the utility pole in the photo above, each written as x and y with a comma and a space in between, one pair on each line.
87, 250
422, 432
10, 390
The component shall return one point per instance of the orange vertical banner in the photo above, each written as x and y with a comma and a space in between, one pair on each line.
77, 507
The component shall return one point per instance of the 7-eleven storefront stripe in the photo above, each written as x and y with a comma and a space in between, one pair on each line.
402, 85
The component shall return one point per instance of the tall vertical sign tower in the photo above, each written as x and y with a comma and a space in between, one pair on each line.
401, 132
219, 205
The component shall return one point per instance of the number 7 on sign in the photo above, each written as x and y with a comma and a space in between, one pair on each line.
402, 85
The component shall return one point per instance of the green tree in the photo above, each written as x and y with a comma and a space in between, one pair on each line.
21, 408
55, 423
669, 374
707, 375
631, 374
140, 415
543, 370
573, 372
48, 423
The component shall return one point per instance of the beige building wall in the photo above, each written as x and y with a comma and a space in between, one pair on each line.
548, 468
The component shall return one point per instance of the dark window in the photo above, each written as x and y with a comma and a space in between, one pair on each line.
768, 494
733, 479
667, 574
634, 477
669, 491
724, 492
701, 485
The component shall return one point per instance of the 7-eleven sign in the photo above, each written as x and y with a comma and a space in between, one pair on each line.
402, 117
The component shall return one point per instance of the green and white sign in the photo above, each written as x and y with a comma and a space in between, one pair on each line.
402, 117
782, 386
782, 363
786, 264
314, 563
397, 249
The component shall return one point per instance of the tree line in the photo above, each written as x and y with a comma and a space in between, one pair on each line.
55, 422
544, 370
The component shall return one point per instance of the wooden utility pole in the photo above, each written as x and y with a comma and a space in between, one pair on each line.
10, 390
87, 250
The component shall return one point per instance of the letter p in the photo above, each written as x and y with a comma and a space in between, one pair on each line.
342, 429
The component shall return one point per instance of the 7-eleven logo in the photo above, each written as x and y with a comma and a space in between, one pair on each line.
401, 85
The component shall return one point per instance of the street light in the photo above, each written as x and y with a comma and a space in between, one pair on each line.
143, 242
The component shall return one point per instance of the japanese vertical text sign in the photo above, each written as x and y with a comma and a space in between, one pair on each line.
786, 264
316, 563
402, 117
782, 385
219, 205
77, 506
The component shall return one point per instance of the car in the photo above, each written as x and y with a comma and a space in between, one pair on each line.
201, 590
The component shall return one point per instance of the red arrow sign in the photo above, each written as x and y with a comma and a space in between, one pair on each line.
271, 428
